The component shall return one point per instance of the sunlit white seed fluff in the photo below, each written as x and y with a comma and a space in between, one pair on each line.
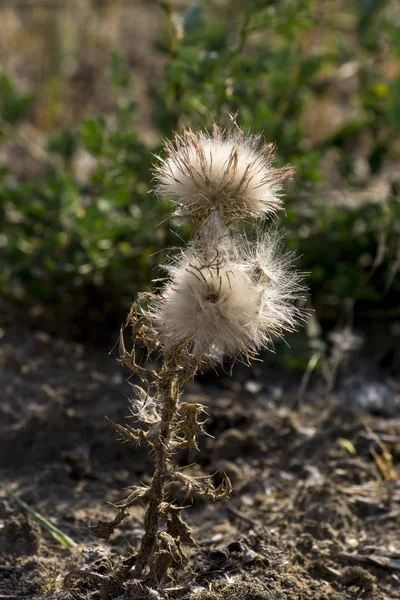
208, 310
220, 171
225, 307
279, 286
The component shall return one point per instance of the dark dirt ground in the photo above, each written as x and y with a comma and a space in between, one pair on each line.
309, 517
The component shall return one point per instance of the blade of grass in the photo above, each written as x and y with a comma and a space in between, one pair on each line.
56, 533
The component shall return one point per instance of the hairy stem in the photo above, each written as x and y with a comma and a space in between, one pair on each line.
170, 394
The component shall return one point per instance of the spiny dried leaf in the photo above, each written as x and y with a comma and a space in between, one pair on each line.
155, 430
191, 484
161, 563
138, 493
142, 332
203, 486
222, 491
104, 529
172, 546
129, 434
176, 526
189, 427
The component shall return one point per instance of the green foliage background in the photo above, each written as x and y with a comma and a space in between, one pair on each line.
84, 249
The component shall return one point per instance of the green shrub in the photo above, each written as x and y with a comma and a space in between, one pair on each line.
64, 240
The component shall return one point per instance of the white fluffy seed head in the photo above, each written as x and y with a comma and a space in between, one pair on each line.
226, 172
228, 305
205, 309
279, 286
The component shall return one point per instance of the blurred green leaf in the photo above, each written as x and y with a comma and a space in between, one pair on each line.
119, 75
13, 105
63, 142
192, 17
92, 135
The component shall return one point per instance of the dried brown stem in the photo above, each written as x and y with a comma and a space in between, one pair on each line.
169, 426
170, 393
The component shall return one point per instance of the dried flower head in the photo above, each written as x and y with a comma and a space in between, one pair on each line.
279, 286
228, 306
225, 171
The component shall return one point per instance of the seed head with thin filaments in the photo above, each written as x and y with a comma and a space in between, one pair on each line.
280, 287
224, 171
229, 307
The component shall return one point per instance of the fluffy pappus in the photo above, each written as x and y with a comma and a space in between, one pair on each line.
280, 287
208, 309
229, 305
223, 171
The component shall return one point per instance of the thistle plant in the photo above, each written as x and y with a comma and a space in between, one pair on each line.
223, 296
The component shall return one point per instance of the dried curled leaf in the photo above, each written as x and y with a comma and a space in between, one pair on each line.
175, 525
189, 427
139, 493
172, 546
104, 529
129, 434
169, 554
222, 491
155, 430
203, 486
143, 332
162, 561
